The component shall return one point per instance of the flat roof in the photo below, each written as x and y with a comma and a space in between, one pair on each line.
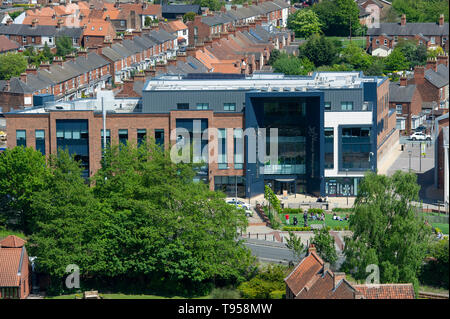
260, 82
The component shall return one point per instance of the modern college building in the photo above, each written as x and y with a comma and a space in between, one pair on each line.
332, 127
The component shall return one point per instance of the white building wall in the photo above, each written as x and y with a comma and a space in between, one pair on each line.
334, 119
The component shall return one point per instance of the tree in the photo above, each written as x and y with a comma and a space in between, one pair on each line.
421, 10
396, 61
414, 54
294, 243
435, 271
356, 56
64, 46
337, 16
188, 16
376, 68
386, 229
213, 5
324, 244
291, 65
305, 23
12, 65
22, 175
267, 284
274, 55
319, 50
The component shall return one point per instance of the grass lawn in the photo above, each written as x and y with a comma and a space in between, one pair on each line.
5, 233
442, 227
328, 220
433, 289
360, 41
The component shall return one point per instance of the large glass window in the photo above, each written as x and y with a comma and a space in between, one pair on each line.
21, 138
123, 136
329, 147
141, 134
238, 148
182, 106
327, 106
231, 185
356, 148
202, 106
40, 141
229, 106
222, 143
73, 135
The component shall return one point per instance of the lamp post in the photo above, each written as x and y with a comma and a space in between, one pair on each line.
270, 186
409, 153
347, 187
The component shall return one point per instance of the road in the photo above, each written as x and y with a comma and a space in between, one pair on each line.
272, 252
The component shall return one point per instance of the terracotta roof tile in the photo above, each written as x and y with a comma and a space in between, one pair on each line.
387, 291
12, 242
177, 25
9, 267
7, 44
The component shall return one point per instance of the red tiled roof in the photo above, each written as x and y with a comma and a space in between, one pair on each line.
98, 27
12, 242
387, 291
9, 267
7, 44
177, 25
304, 272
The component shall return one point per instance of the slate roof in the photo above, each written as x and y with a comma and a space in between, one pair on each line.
39, 30
180, 8
387, 291
17, 86
410, 29
161, 36
399, 93
438, 79
111, 54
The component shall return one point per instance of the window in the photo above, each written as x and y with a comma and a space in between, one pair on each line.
377, 41
222, 141
21, 138
329, 147
182, 106
229, 106
356, 147
24, 39
327, 106
159, 137
385, 42
40, 141
202, 106
108, 138
238, 141
399, 109
141, 134
123, 137
32, 39
433, 40
346, 106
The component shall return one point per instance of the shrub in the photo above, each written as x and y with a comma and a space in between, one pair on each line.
437, 230
346, 227
315, 211
292, 211
293, 228
342, 209
277, 294
337, 228
270, 279
225, 293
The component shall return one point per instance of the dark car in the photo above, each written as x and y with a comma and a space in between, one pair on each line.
421, 128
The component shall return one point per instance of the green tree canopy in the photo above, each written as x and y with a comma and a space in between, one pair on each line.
324, 243
22, 174
386, 230
414, 54
336, 16
396, 61
64, 46
356, 56
292, 65
305, 23
12, 65
188, 16
319, 50
213, 5
421, 10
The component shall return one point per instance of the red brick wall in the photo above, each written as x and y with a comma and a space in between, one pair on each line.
440, 142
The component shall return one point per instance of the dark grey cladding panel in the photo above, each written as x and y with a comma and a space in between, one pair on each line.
336, 96
165, 101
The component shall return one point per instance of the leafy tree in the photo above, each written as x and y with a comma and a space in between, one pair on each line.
267, 284
386, 230
295, 244
433, 53
274, 55
414, 54
421, 10
356, 56
319, 50
376, 68
12, 65
324, 243
292, 65
337, 16
396, 61
189, 16
64, 46
435, 271
22, 174
213, 5
335, 68
305, 23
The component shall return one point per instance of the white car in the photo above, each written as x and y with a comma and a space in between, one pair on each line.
419, 136
239, 203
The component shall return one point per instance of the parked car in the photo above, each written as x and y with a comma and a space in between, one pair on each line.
248, 213
419, 136
239, 203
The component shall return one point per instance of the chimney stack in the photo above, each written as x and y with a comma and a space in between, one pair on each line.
403, 20
403, 81
9, 21
70, 57
23, 77
117, 40
58, 60
45, 66
441, 20
432, 64
181, 56
312, 248
34, 22
31, 69
419, 75
442, 59
139, 77
338, 276
82, 53
59, 23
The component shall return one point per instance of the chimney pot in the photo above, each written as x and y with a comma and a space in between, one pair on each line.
403, 81
441, 20
403, 19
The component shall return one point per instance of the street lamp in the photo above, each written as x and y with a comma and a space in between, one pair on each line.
347, 187
409, 153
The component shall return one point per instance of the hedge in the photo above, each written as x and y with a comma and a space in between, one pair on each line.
292, 211
315, 211
293, 228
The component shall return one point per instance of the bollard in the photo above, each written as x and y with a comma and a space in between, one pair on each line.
257, 237
248, 235
265, 236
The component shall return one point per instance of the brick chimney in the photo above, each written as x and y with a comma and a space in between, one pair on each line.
233, 7
137, 33
58, 60
245, 5
441, 20
338, 276
9, 21
45, 66
117, 40
199, 46
82, 53
403, 81
326, 267
70, 57
419, 75
59, 23
161, 67
128, 36
223, 9
150, 72
181, 56
107, 43
23, 77
172, 61
107, 18
34, 23
442, 59
208, 42
311, 248
190, 51
432, 64
31, 69
403, 19
139, 77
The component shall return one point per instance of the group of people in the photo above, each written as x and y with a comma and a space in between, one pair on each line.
336, 217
